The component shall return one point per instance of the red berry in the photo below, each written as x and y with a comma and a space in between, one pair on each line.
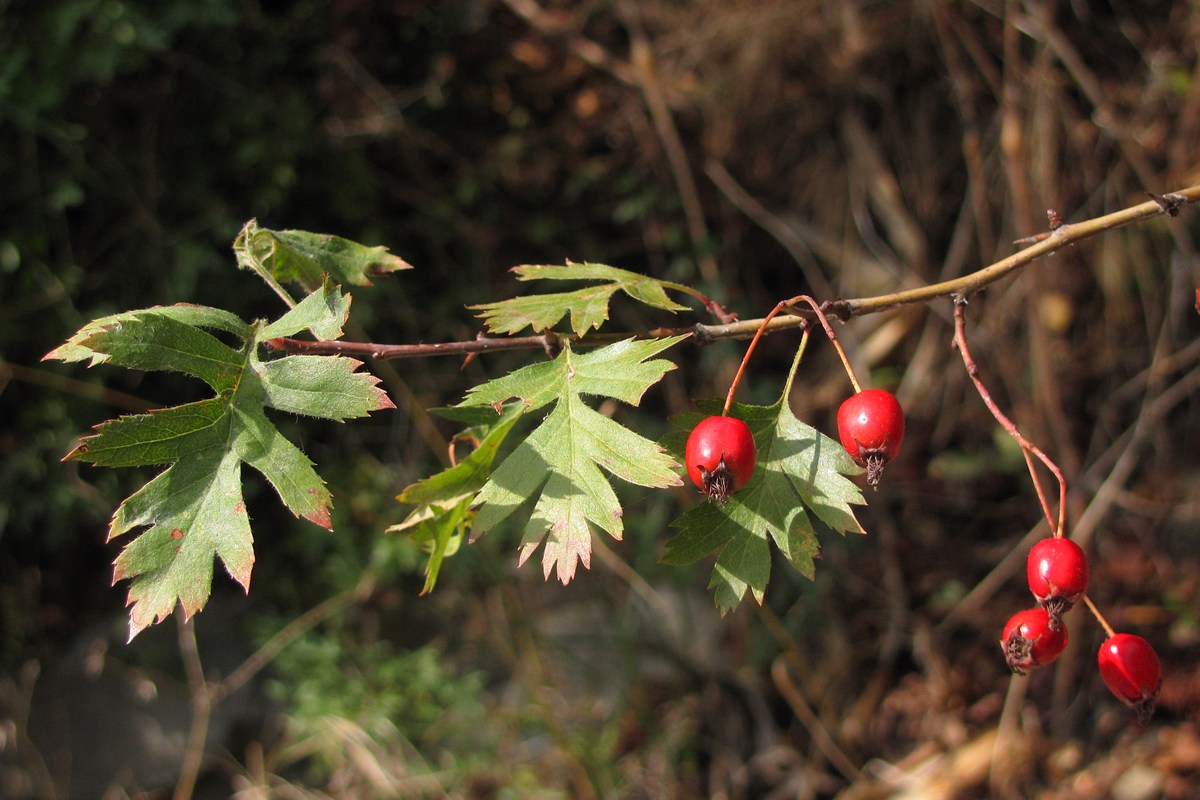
871, 427
1131, 671
1058, 574
720, 456
1030, 641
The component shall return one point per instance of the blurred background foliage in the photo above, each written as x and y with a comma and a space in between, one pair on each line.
755, 149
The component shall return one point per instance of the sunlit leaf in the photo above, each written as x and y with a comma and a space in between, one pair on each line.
562, 463
587, 307
193, 511
801, 475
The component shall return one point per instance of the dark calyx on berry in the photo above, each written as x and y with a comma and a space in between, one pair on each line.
718, 482
1030, 641
874, 460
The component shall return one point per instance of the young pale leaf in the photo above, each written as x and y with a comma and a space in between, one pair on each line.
193, 510
588, 307
800, 472
560, 463
307, 258
471, 473
324, 313
440, 530
443, 501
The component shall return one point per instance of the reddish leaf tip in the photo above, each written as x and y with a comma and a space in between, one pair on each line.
320, 517
385, 403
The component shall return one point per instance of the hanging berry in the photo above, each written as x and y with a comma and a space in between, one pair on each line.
720, 456
1058, 574
871, 427
1131, 671
1030, 641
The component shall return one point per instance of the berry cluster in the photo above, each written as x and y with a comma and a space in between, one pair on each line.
1057, 570
720, 454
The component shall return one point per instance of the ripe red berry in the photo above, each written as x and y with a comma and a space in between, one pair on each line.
871, 427
1131, 671
720, 456
1030, 641
1058, 574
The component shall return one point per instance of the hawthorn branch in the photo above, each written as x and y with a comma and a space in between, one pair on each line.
1042, 244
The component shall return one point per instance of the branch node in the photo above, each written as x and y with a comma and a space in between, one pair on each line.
702, 334
837, 308
1169, 203
551, 345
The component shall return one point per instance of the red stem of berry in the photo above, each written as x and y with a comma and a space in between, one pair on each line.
1028, 449
780, 306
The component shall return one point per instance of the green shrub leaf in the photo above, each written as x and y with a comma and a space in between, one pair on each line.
801, 475
193, 510
588, 307
559, 465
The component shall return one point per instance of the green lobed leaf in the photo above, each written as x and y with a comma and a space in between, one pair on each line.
560, 463
801, 474
162, 436
324, 313
471, 473
193, 510
307, 258
620, 371
443, 501
329, 387
77, 348
587, 307
152, 341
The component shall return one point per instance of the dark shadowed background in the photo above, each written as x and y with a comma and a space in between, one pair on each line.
755, 149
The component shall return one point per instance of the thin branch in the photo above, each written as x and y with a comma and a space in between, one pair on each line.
202, 706
964, 286
289, 633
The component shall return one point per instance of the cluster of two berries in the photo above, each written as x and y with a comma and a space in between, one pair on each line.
1057, 570
720, 453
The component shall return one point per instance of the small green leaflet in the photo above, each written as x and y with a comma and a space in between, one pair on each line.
305, 258
588, 307
800, 472
193, 510
443, 501
559, 462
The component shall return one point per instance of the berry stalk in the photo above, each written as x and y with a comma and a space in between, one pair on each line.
758, 334
1108, 629
1028, 449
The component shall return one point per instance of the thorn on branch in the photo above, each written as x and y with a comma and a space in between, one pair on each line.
1056, 224
718, 311
1169, 203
